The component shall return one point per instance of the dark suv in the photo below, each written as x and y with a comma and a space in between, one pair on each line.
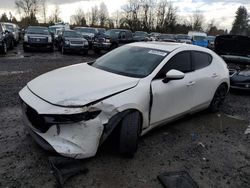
112, 39
6, 39
72, 41
38, 38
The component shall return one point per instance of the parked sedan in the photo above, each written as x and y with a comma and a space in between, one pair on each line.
71, 41
6, 39
128, 91
38, 38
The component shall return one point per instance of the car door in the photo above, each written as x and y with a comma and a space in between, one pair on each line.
175, 97
206, 77
122, 37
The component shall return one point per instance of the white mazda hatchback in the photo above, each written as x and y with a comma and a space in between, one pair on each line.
132, 89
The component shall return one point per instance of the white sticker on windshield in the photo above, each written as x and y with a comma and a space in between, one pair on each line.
155, 52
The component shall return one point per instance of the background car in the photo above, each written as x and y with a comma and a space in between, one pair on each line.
111, 39
38, 38
88, 33
166, 38
6, 39
72, 41
235, 50
198, 38
140, 36
211, 42
182, 38
15, 30
128, 92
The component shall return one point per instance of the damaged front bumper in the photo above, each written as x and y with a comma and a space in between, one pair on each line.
78, 140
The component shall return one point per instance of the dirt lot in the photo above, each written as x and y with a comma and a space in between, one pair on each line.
212, 148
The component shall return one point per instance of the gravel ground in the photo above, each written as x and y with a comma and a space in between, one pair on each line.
218, 155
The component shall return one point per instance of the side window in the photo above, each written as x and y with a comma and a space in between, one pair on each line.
180, 62
201, 59
128, 35
123, 36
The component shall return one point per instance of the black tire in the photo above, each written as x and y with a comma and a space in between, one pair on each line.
12, 44
62, 50
25, 49
97, 51
4, 48
218, 98
113, 46
52, 49
129, 134
85, 52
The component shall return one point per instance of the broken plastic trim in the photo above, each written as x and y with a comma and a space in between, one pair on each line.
71, 118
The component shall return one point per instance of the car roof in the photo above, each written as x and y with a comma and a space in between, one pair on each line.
165, 46
38, 27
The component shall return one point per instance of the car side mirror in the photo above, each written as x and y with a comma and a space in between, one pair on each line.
6, 31
173, 75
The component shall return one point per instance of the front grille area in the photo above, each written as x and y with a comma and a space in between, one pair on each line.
36, 120
76, 42
38, 40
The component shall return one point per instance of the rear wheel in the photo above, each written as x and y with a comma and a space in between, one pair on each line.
218, 98
129, 134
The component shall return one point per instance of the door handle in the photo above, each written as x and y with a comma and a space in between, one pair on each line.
191, 83
215, 75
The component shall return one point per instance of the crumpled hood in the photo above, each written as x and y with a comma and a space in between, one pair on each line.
78, 85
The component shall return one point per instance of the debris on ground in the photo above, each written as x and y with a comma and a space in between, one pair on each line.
64, 168
177, 180
247, 131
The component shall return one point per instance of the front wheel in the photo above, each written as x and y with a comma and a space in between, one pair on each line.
218, 98
129, 134
4, 48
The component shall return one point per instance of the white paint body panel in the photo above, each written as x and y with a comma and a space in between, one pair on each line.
78, 85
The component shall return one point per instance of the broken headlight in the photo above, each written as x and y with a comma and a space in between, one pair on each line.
72, 118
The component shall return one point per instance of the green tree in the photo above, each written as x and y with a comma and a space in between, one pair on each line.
4, 18
240, 24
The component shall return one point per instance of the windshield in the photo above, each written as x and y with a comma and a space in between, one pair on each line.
131, 61
166, 37
200, 38
141, 34
9, 27
183, 37
41, 31
86, 30
72, 34
112, 32
211, 38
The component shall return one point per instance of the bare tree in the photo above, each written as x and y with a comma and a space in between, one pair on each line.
161, 13
94, 15
55, 17
44, 10
79, 18
197, 21
131, 11
103, 14
27, 7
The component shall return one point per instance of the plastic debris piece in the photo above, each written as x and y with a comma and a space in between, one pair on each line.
247, 131
177, 180
64, 168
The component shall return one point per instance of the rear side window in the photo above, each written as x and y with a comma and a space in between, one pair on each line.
201, 59
180, 62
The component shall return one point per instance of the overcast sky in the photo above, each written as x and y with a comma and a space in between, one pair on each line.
222, 11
